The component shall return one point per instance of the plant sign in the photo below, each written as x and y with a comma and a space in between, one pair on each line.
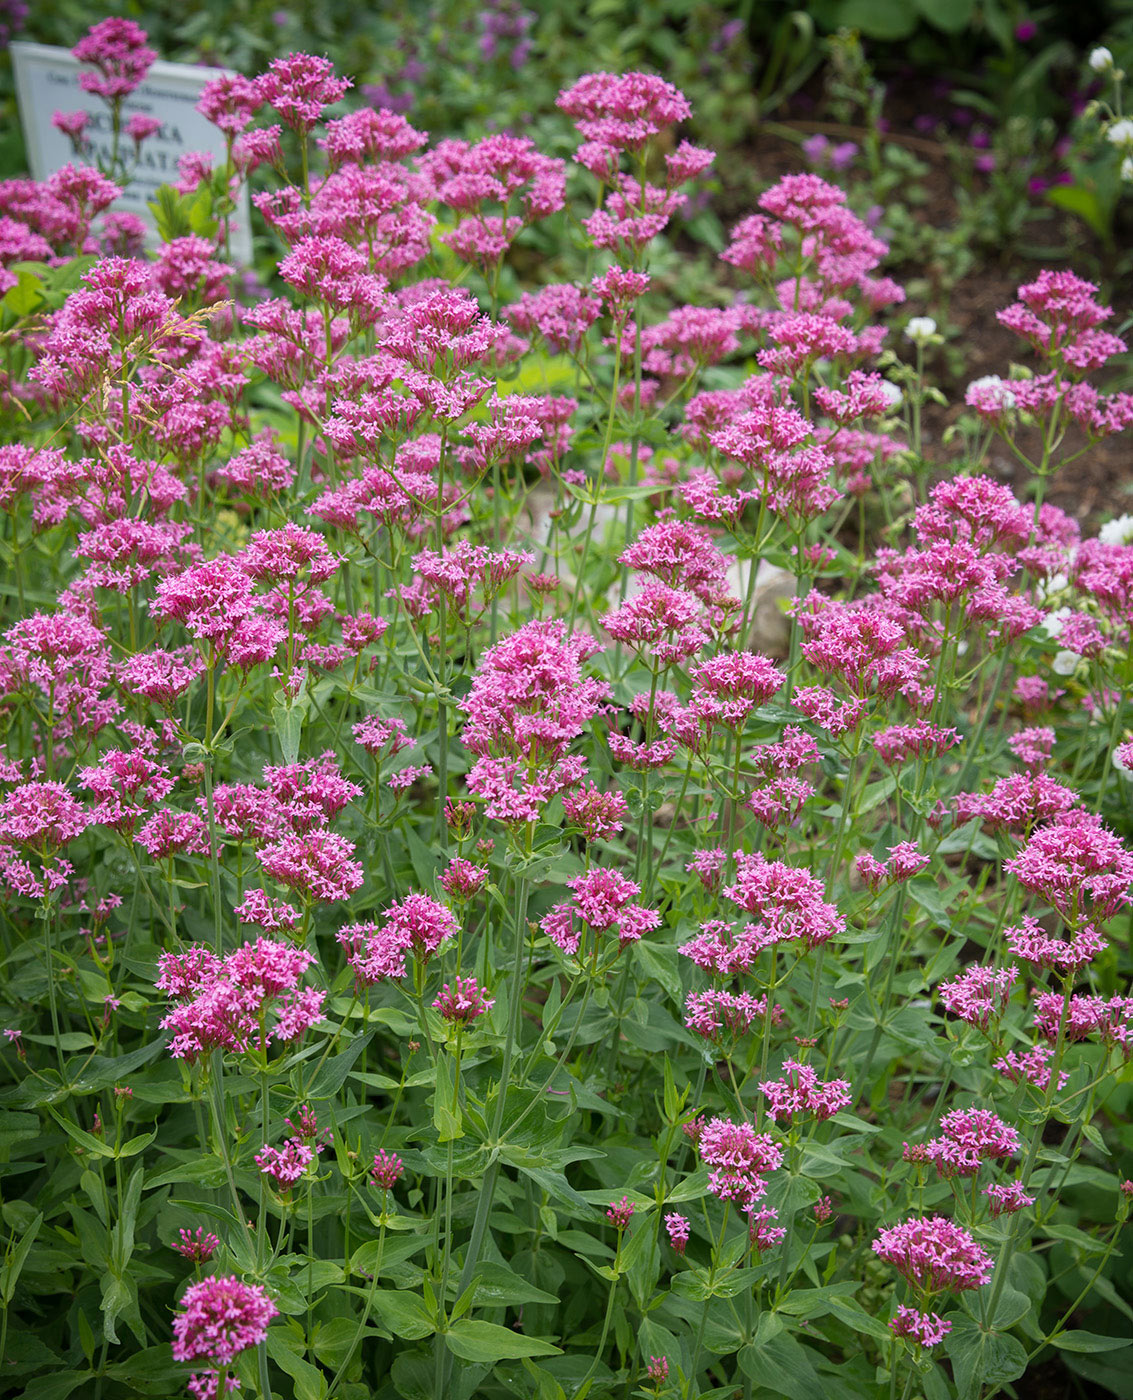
47, 80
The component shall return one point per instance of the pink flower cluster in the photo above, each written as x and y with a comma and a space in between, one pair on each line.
219, 1318
604, 901
934, 1254
245, 1001
801, 1091
417, 924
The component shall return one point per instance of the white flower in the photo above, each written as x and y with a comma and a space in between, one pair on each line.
1120, 133
892, 392
1050, 588
1119, 531
993, 387
1100, 59
1065, 663
1127, 170
921, 327
1053, 623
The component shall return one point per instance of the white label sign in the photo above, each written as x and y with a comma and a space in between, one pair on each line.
47, 81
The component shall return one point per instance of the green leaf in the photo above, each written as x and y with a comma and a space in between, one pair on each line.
404, 1313
28, 293
10, 1272
117, 1295
1088, 1341
446, 1107
982, 1357
56, 1386
485, 1341
123, 1232
782, 1365
1076, 199
283, 1348
82, 1137
498, 1286
331, 1075
953, 16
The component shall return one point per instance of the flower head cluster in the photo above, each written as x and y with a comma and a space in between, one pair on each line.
979, 995
603, 901
464, 1002
906, 859
801, 1091
934, 1254
968, 1137
248, 1000
715, 1013
117, 48
416, 924
785, 902
677, 1228
926, 1329
528, 701
197, 1245
219, 1318
386, 1170
740, 1159
285, 1165
1078, 866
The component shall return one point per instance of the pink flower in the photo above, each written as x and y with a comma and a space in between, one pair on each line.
1078, 866
387, 1169
603, 901
415, 924
197, 1245
464, 1003
677, 1226
220, 1318
979, 995
41, 815
712, 1013
1032, 1066
462, 879
285, 1165
925, 1329
599, 814
246, 1001
968, 1138
315, 865
934, 1254
801, 1091
1008, 1198
905, 861
740, 1158
118, 49
785, 901
1031, 943
299, 87
707, 866
620, 1212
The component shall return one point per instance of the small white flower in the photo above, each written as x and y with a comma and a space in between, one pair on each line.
893, 392
1053, 623
1100, 59
1050, 588
1120, 133
1127, 170
921, 327
998, 389
1119, 531
1065, 663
